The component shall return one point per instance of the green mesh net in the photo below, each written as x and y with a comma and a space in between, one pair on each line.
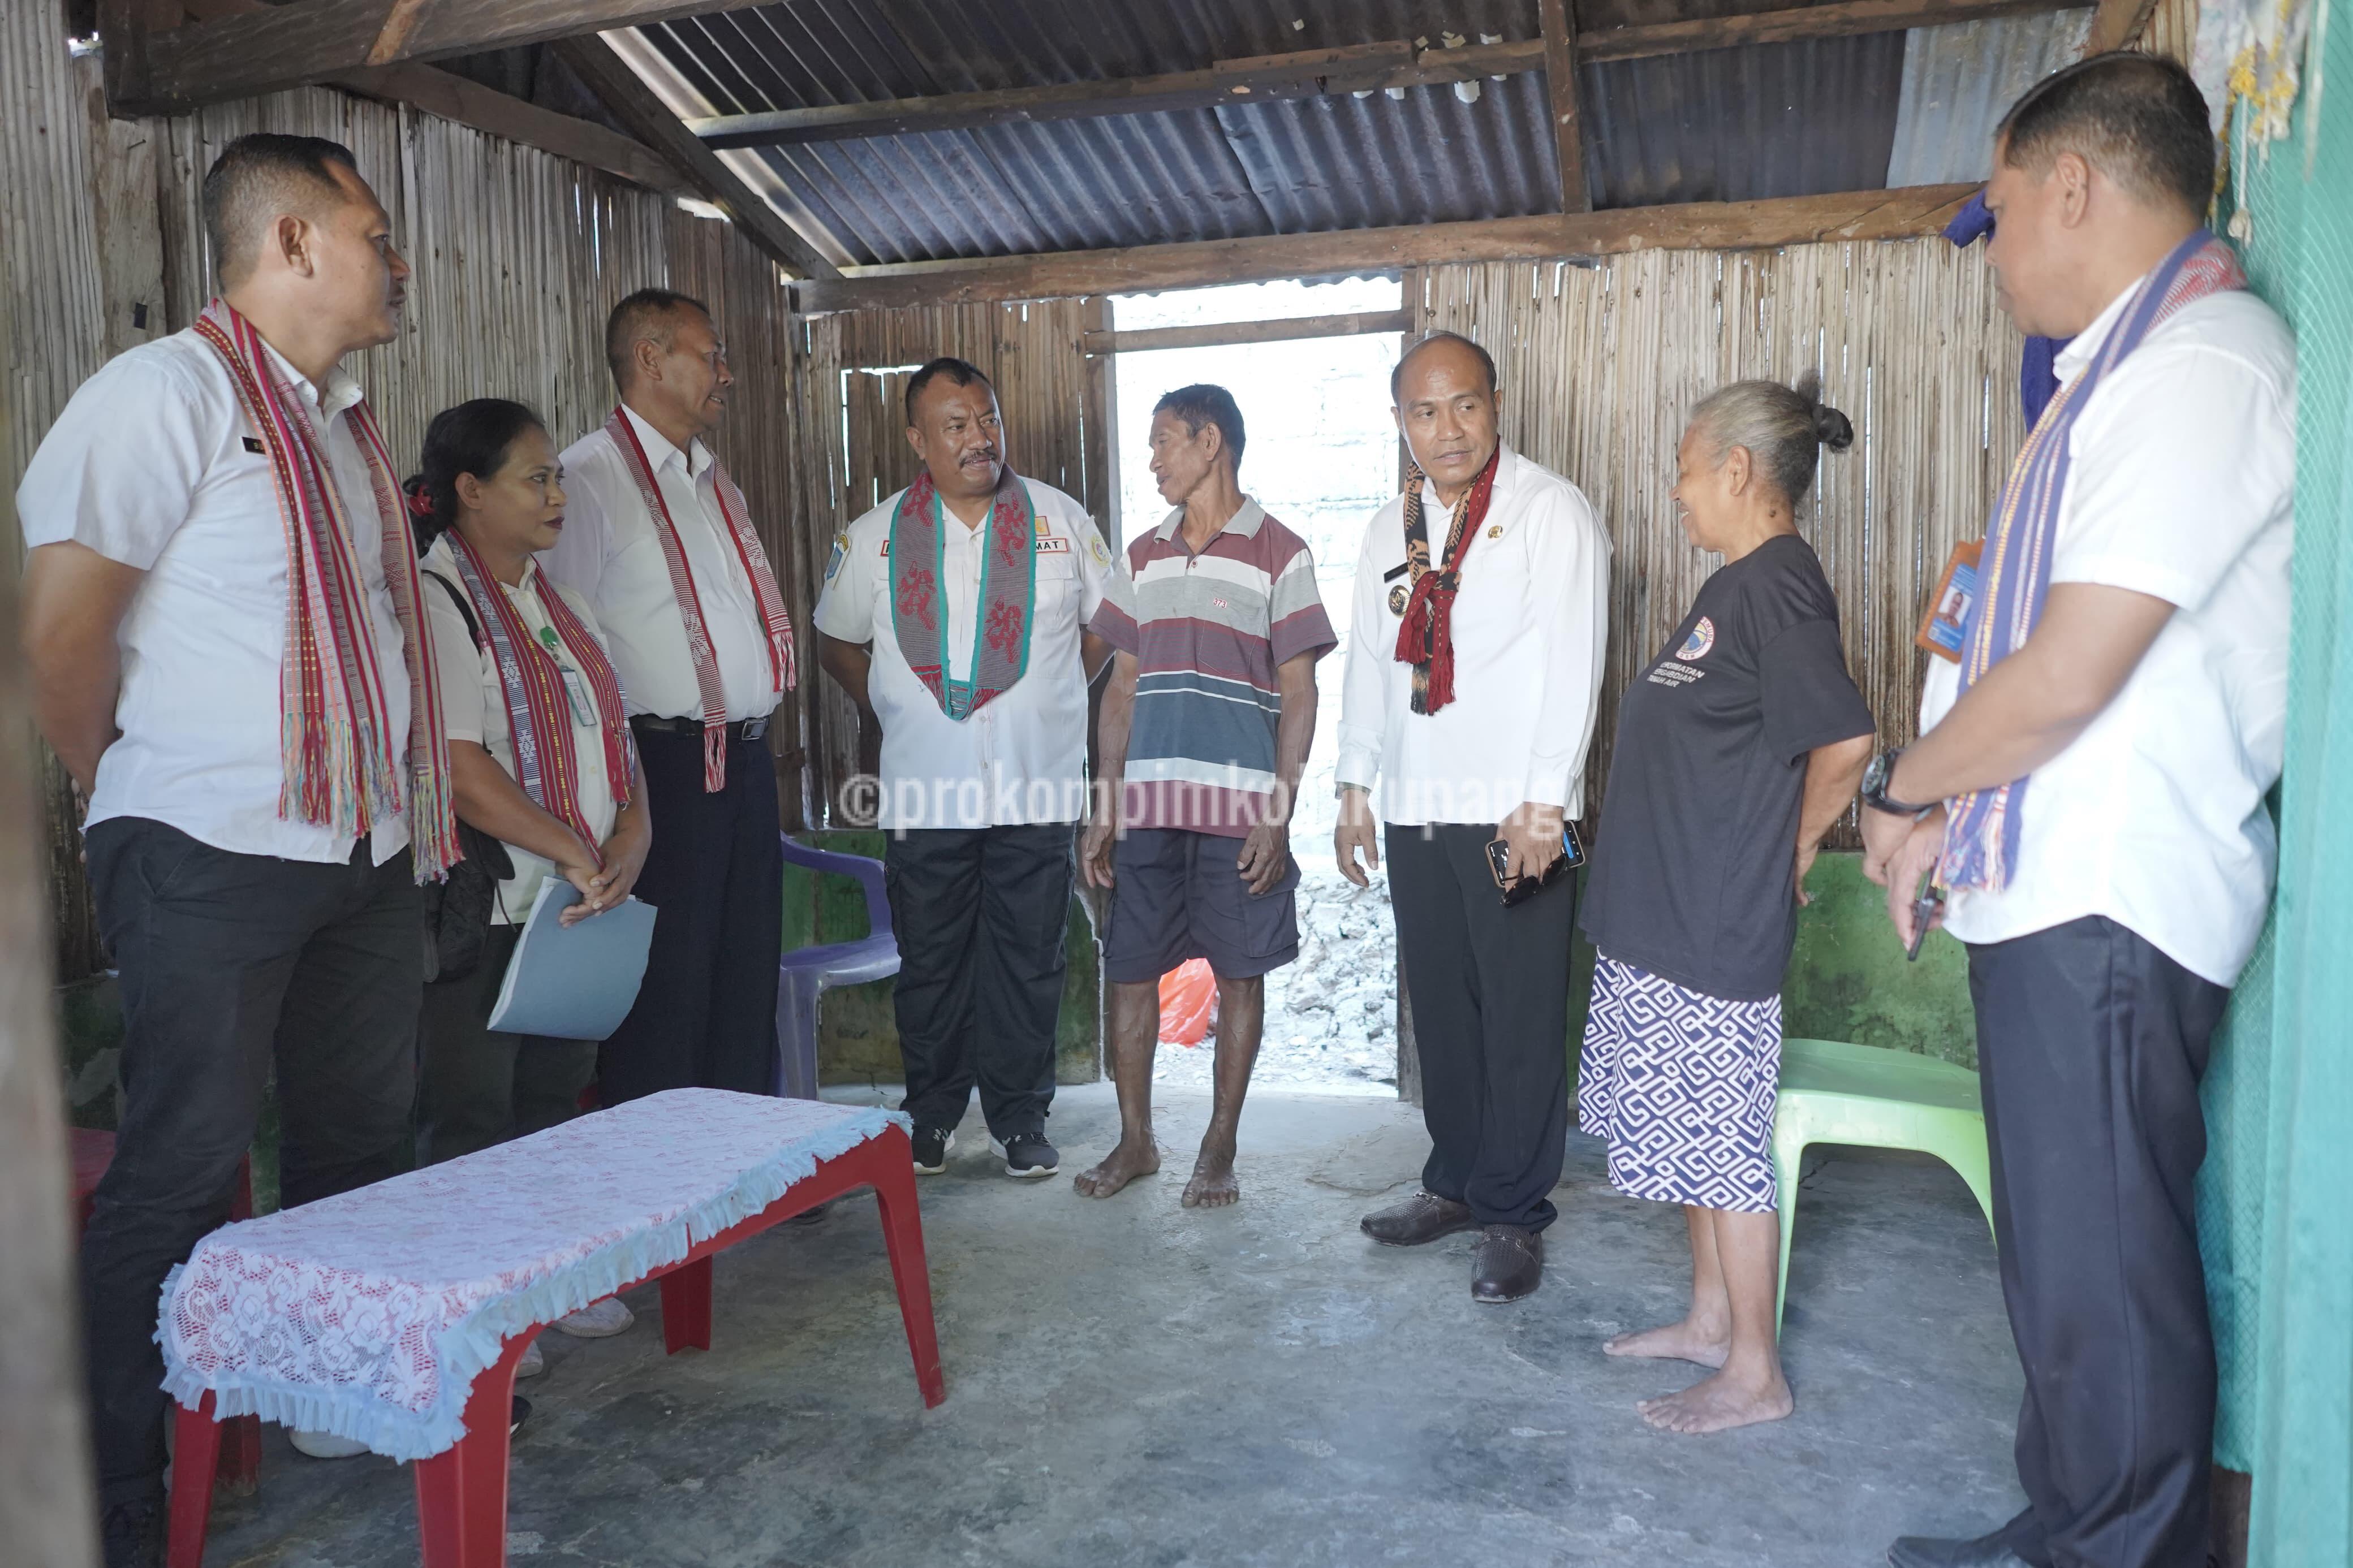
2273, 1196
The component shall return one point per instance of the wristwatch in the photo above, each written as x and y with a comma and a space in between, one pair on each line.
1874, 787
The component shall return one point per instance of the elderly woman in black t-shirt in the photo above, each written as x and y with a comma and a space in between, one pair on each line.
1737, 748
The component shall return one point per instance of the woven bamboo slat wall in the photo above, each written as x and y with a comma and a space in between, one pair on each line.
852, 451
1600, 366
517, 257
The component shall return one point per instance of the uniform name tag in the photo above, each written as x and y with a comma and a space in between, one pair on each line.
253, 444
1052, 544
576, 687
1942, 628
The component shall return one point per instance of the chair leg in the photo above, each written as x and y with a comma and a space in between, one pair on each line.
893, 1177
797, 1026
240, 1457
1788, 1157
686, 1306
1972, 1159
461, 1493
195, 1458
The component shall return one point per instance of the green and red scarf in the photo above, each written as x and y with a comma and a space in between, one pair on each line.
1008, 594
343, 768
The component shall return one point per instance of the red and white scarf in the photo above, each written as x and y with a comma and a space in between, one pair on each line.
755, 561
343, 769
539, 709
1426, 631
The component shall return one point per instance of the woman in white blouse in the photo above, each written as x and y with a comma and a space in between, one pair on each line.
517, 656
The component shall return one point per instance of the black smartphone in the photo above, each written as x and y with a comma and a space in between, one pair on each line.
1499, 864
1924, 911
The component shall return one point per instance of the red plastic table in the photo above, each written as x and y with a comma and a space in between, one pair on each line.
461, 1493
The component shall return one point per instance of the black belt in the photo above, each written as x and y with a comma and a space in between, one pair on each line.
737, 730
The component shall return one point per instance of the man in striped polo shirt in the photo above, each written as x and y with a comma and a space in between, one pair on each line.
1204, 732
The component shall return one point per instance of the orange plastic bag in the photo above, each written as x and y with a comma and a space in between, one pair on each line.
1189, 1001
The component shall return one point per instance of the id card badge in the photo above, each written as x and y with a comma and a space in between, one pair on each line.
1944, 626
584, 706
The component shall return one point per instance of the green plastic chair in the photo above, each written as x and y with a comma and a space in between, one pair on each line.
1832, 1093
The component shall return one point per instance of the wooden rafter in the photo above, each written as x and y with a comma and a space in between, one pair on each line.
1690, 225
2115, 23
1559, 28
633, 103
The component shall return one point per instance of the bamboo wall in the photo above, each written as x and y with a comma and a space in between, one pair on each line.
1600, 364
519, 255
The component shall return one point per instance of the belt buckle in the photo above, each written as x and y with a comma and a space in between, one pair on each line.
756, 729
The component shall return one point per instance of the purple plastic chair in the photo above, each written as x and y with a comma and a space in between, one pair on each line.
807, 972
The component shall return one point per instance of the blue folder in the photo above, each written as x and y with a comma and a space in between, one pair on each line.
575, 982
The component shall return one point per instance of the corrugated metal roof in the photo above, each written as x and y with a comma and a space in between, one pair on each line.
1958, 81
1731, 125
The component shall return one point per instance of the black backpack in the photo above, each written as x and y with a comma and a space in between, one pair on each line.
458, 908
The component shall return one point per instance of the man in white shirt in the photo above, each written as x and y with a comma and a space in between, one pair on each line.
966, 614
655, 541
1502, 597
251, 925
2093, 794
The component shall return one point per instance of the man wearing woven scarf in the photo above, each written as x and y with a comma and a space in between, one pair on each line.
1474, 660
659, 541
964, 615
222, 618
2089, 786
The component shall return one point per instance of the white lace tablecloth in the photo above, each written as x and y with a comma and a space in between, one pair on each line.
368, 1315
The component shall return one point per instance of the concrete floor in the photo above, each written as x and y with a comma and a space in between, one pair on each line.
1129, 1382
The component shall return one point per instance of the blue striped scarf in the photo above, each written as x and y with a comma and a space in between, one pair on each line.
1982, 835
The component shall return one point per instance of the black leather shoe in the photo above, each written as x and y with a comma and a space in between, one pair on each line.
1424, 1216
1994, 1550
1509, 1265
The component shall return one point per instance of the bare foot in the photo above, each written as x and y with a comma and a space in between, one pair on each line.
1686, 1340
1213, 1185
1719, 1404
1119, 1167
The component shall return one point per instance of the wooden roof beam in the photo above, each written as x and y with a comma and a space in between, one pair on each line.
1690, 225
2116, 25
1559, 28
1361, 67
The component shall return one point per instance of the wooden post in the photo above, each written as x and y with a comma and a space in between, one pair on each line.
46, 1512
1102, 419
1560, 87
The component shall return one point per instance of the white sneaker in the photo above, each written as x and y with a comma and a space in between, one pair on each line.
326, 1446
532, 1364
599, 1322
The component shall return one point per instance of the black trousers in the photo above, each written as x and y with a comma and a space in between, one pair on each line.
1490, 993
229, 963
2091, 1044
980, 914
706, 1016
476, 1088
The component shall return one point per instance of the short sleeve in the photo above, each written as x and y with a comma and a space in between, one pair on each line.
124, 499
1297, 620
1109, 607
845, 608
457, 663
1807, 697
2185, 454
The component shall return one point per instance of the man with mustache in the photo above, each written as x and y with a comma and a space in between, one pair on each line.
1474, 660
658, 541
968, 615
264, 770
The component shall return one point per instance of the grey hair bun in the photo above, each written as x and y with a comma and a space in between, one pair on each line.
1832, 428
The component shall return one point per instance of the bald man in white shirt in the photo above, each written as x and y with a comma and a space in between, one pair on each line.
252, 926
1480, 740
2090, 784
655, 541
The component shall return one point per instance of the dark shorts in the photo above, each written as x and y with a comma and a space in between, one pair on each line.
1175, 896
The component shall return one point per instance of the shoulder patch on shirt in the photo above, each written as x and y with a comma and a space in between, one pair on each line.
1698, 644
1095, 548
840, 549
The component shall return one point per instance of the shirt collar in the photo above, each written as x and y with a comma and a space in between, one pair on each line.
444, 555
339, 393
1244, 523
2070, 361
1507, 462
661, 453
